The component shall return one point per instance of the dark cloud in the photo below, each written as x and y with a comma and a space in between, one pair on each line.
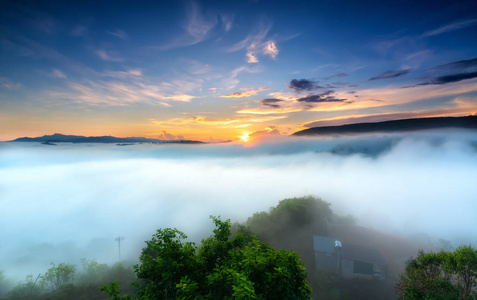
301, 85
460, 65
390, 74
450, 78
451, 72
335, 76
340, 83
341, 75
272, 102
322, 97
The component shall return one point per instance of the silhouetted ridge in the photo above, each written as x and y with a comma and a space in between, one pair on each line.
469, 122
61, 138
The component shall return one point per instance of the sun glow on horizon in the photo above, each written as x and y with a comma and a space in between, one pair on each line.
245, 137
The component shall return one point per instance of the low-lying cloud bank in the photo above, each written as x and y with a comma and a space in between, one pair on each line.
66, 202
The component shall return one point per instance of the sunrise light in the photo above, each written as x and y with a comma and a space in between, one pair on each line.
245, 137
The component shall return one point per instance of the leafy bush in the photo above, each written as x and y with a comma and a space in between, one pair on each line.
443, 275
221, 268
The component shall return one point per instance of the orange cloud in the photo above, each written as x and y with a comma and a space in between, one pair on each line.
251, 57
215, 122
247, 92
270, 49
367, 98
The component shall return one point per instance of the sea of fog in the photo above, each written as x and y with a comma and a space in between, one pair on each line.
70, 201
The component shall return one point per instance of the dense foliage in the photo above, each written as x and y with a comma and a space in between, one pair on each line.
443, 275
221, 268
291, 225
63, 281
233, 263
292, 215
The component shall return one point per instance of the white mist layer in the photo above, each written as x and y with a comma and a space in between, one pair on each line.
66, 202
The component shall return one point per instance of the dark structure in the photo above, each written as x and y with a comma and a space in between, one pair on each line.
351, 261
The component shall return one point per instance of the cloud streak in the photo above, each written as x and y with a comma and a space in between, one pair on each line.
58, 74
247, 92
451, 73
197, 29
108, 55
390, 74
450, 78
255, 45
451, 27
327, 96
118, 33
272, 102
233, 122
7, 84
134, 90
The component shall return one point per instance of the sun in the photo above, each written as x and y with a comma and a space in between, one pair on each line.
245, 137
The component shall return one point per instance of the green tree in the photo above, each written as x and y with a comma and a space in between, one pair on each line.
462, 263
221, 268
442, 275
27, 289
292, 215
292, 223
3, 285
58, 275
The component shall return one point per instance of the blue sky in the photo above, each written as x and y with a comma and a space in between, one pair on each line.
216, 70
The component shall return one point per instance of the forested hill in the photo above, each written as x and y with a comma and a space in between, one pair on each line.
61, 138
469, 122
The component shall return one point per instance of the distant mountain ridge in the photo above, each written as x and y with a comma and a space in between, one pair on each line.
61, 138
468, 122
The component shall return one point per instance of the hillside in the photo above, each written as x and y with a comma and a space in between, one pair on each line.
61, 138
469, 122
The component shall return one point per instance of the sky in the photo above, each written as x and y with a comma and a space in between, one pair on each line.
219, 70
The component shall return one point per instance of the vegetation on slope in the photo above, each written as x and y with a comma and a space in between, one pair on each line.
270, 256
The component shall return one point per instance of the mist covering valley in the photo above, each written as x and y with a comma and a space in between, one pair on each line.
70, 201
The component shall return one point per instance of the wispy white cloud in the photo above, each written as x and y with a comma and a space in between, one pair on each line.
115, 92
118, 33
108, 56
251, 39
197, 28
231, 81
195, 67
44, 22
58, 74
23, 46
124, 74
7, 84
79, 30
255, 45
451, 27
227, 21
